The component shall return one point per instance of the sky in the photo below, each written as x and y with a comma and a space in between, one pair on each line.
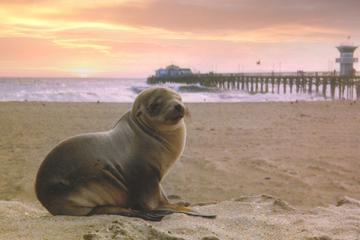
121, 38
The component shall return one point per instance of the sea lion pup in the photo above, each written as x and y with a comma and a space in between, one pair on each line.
119, 171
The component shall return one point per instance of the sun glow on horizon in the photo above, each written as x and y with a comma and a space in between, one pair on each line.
84, 72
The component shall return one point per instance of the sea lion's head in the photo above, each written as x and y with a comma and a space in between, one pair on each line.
159, 107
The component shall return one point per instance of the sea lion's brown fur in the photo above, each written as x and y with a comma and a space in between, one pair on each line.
118, 171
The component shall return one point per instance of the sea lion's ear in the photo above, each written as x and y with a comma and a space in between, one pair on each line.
138, 113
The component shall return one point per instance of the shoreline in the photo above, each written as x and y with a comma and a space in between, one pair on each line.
190, 102
48, 91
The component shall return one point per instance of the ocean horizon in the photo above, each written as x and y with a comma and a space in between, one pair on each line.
67, 89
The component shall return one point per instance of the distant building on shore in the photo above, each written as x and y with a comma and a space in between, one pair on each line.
172, 71
347, 59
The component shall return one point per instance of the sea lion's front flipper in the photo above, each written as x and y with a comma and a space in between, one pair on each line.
114, 210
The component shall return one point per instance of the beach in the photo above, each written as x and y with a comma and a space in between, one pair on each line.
275, 170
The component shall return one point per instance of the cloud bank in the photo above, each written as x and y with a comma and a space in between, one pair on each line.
132, 38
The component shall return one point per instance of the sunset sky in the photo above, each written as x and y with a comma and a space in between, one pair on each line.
120, 38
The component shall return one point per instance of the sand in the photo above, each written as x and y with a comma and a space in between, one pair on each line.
268, 170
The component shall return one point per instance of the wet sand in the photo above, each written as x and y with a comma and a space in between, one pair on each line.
305, 155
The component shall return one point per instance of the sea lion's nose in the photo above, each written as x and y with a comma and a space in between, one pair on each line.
180, 108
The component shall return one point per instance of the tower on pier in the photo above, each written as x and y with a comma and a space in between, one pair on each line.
346, 59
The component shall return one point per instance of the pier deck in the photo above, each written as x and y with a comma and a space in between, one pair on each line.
299, 82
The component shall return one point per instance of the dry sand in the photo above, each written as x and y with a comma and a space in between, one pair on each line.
305, 155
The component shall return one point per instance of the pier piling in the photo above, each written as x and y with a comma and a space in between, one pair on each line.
311, 83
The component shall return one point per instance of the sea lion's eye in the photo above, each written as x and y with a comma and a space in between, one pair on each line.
154, 107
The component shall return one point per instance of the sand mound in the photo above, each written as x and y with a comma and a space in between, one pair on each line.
257, 217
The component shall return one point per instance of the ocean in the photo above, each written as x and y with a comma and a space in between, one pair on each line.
125, 90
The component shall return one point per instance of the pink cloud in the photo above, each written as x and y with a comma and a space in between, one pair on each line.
123, 38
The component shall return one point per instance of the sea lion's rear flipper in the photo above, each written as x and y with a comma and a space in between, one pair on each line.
180, 208
197, 214
114, 210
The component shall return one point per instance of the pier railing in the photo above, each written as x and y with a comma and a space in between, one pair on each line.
324, 83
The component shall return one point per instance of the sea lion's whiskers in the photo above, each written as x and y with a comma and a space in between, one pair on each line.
187, 114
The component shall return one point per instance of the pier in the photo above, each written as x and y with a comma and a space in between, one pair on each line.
327, 84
